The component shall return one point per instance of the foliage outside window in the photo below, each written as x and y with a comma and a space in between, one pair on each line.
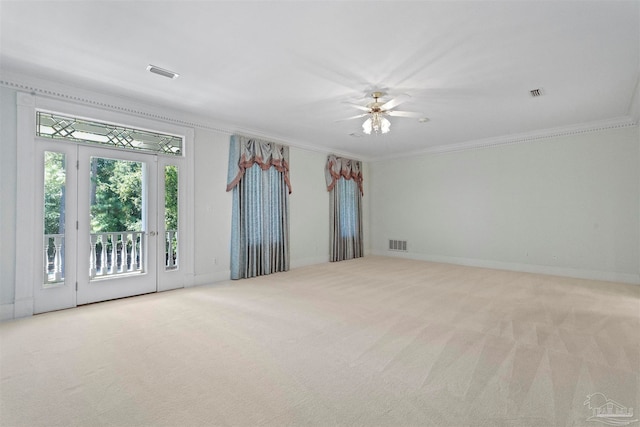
116, 195
54, 186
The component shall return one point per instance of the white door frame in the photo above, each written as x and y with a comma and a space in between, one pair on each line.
28, 229
118, 286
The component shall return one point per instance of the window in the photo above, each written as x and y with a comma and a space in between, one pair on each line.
56, 126
259, 179
344, 182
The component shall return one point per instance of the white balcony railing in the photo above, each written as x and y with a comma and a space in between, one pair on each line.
116, 253
171, 250
53, 258
111, 254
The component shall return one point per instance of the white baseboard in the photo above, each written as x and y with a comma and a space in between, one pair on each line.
303, 262
6, 312
23, 308
605, 276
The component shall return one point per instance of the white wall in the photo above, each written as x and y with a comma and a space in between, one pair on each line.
8, 153
309, 207
212, 207
564, 205
309, 203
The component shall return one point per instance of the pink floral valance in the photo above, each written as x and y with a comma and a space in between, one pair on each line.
244, 152
338, 167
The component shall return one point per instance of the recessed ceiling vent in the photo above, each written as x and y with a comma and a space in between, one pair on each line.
162, 72
536, 92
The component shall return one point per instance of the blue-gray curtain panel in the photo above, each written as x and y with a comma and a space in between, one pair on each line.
344, 182
259, 178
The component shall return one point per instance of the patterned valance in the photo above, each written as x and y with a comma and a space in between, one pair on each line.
346, 168
244, 152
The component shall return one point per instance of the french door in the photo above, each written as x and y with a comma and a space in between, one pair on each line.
109, 224
117, 224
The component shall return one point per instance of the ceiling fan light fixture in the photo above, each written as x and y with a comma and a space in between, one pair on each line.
378, 111
366, 126
385, 125
377, 123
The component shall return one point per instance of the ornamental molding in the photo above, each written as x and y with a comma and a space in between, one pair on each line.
85, 100
41, 87
49, 89
528, 137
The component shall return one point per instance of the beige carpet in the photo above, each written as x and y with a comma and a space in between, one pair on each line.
370, 342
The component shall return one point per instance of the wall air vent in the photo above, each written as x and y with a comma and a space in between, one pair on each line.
536, 92
162, 72
398, 245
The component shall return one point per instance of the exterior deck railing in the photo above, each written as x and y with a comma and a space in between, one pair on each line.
116, 253
111, 254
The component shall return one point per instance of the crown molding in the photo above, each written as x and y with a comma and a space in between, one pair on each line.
538, 135
634, 105
46, 88
60, 91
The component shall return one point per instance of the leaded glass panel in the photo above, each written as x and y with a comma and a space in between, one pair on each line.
57, 126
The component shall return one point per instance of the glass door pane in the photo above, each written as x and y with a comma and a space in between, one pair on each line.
116, 203
117, 234
173, 263
171, 216
55, 235
55, 176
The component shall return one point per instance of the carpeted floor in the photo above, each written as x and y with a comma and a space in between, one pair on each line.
369, 342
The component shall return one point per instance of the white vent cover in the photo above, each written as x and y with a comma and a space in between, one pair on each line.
536, 92
398, 245
162, 72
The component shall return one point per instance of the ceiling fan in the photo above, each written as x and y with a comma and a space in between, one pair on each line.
377, 110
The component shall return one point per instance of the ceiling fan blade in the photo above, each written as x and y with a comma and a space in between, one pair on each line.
353, 117
405, 114
395, 101
359, 107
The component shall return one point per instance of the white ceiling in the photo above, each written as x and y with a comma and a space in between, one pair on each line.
285, 69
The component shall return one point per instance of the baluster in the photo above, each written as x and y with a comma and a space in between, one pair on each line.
46, 259
176, 253
134, 251
113, 268
141, 251
57, 260
125, 241
172, 253
117, 261
93, 241
167, 245
103, 255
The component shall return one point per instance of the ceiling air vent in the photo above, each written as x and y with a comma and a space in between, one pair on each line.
162, 72
536, 92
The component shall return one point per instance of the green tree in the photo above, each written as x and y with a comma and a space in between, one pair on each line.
171, 197
54, 186
116, 195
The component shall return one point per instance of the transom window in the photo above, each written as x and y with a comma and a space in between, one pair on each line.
56, 126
